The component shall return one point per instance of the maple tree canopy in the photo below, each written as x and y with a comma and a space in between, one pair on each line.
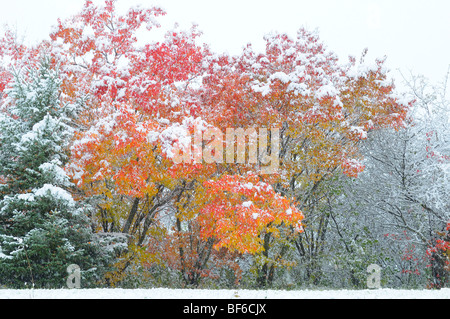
140, 101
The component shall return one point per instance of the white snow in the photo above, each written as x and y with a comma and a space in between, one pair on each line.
175, 132
3, 256
29, 197
54, 168
55, 192
263, 88
326, 90
299, 89
281, 76
362, 70
247, 204
163, 293
359, 130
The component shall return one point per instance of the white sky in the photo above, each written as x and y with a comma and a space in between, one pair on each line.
413, 34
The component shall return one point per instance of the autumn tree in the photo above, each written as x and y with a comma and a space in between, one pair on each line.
121, 156
148, 145
322, 108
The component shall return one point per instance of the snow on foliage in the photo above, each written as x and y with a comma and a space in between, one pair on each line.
105, 123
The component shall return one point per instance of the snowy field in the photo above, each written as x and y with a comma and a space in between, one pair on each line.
221, 294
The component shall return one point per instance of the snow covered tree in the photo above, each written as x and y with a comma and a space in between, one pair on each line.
144, 102
42, 228
403, 193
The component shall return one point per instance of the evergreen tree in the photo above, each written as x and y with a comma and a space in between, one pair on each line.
42, 228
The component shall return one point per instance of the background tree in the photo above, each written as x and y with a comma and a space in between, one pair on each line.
43, 229
405, 183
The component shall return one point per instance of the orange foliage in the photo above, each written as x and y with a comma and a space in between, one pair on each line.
239, 209
139, 102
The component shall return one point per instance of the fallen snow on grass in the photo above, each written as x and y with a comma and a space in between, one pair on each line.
161, 293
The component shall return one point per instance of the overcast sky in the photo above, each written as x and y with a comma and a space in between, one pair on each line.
413, 34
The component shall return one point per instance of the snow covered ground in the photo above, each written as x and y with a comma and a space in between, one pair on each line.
221, 294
